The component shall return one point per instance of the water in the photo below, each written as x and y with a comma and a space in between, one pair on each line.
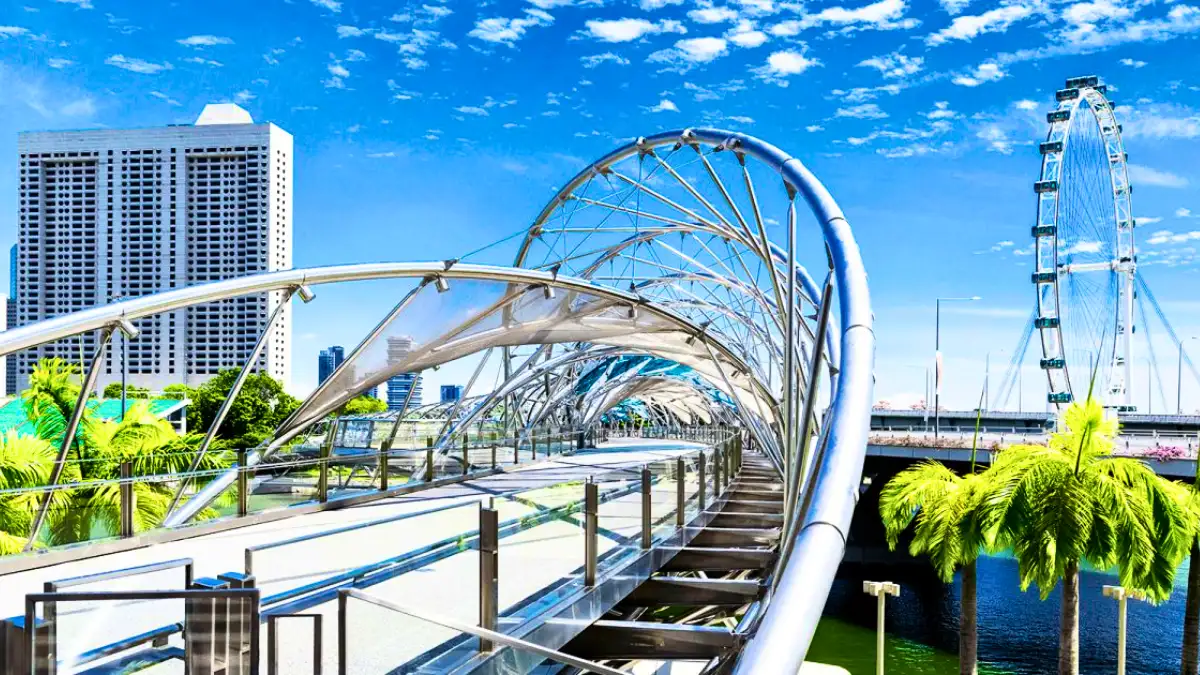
1018, 632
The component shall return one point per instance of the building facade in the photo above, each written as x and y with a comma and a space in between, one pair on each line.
399, 386
106, 215
10, 321
451, 393
328, 361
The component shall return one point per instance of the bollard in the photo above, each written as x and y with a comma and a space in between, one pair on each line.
489, 573
384, 449
239, 626
591, 516
880, 589
428, 465
128, 500
206, 621
647, 515
680, 491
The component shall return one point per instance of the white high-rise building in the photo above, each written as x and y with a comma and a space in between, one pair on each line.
112, 214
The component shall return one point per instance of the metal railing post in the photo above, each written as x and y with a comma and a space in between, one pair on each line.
700, 461
533, 443
428, 465
384, 449
591, 511
323, 466
343, 632
647, 515
680, 491
466, 453
205, 621
493, 455
243, 483
239, 627
489, 573
128, 503
718, 469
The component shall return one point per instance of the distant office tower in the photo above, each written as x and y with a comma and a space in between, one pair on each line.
10, 321
451, 393
112, 214
398, 386
328, 362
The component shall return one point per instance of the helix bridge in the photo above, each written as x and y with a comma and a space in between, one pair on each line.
653, 467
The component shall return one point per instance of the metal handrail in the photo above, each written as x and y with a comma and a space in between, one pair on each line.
453, 624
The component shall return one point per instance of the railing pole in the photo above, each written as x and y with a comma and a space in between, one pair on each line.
700, 463
533, 443
343, 632
680, 491
384, 449
718, 460
489, 573
591, 508
323, 466
647, 515
428, 465
243, 483
128, 505
493, 455
466, 452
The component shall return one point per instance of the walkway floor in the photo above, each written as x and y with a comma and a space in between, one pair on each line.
529, 560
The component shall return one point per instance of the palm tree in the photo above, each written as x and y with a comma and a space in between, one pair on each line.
949, 531
1189, 661
1070, 502
24, 461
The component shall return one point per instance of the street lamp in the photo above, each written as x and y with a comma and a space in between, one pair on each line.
1121, 595
880, 589
937, 355
1179, 379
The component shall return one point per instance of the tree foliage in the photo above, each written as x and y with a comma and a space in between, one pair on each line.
113, 390
364, 404
259, 408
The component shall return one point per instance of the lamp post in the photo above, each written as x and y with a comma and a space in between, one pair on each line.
1179, 379
880, 589
937, 355
1121, 595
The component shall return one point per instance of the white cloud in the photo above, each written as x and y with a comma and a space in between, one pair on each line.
996, 138
665, 105
59, 64
882, 15
244, 96
1148, 220
690, 52
350, 31
941, 111
136, 65
338, 70
204, 41
84, 107
1183, 213
744, 34
607, 57
894, 65
984, 72
201, 61
12, 31
740, 119
1144, 175
869, 111
1086, 13
331, 5
472, 110
164, 98
953, 7
507, 31
353, 55
968, 27
1169, 237
628, 30
1159, 121
783, 64
713, 15
813, 128
1132, 63
81, 4
649, 5
1026, 104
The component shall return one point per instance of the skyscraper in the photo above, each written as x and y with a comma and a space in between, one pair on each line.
111, 214
10, 321
398, 386
451, 393
328, 361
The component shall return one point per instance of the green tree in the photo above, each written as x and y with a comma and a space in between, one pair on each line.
950, 530
364, 404
1072, 502
25, 461
113, 390
259, 408
177, 392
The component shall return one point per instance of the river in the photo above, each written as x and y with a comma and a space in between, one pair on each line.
1018, 632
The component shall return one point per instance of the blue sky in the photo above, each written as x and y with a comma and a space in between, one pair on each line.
426, 129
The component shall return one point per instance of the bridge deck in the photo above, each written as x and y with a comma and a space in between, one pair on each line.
529, 560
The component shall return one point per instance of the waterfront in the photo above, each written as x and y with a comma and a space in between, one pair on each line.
1018, 633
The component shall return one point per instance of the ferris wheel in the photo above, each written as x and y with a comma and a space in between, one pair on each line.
1084, 251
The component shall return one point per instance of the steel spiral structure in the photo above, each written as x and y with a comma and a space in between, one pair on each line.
1084, 250
675, 272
